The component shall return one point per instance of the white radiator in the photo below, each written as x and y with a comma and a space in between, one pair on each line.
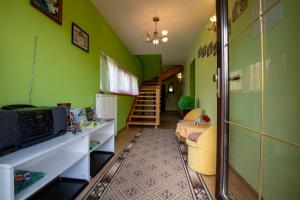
106, 107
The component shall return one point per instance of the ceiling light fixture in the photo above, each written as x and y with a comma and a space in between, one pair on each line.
155, 38
212, 25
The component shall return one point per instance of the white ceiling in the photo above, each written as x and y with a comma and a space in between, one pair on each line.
131, 19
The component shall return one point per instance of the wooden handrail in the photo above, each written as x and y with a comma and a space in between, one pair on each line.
157, 108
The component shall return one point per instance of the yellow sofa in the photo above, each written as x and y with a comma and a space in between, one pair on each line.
190, 116
202, 149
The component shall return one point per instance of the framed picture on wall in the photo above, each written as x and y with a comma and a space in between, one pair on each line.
80, 38
51, 8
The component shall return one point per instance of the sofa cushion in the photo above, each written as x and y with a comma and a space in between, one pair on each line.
194, 136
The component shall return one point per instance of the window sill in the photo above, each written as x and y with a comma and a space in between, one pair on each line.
119, 94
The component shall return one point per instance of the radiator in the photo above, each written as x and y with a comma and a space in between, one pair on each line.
106, 107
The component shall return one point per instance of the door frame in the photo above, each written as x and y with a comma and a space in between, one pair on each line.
222, 100
192, 78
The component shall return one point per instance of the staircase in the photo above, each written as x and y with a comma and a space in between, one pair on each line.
171, 72
146, 107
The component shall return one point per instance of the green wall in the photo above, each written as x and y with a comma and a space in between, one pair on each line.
152, 65
64, 73
205, 88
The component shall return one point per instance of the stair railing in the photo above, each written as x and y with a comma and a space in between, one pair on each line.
157, 106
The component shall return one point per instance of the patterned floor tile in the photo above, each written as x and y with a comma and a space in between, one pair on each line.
132, 191
166, 194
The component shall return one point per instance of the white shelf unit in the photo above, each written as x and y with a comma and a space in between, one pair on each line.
66, 156
106, 137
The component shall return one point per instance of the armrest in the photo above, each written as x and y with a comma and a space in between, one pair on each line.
208, 139
191, 143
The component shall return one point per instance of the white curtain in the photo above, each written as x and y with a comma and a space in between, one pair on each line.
134, 85
121, 81
113, 75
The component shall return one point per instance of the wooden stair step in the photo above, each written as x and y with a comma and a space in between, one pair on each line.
138, 110
144, 105
143, 116
146, 96
152, 90
149, 88
150, 82
143, 100
143, 123
147, 92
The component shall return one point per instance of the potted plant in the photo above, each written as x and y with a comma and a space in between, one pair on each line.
186, 104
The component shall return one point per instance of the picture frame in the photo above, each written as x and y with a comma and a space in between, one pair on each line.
50, 8
80, 38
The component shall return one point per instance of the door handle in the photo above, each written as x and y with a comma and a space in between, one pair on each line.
235, 77
216, 78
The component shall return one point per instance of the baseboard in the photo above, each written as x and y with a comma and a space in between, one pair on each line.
240, 188
122, 129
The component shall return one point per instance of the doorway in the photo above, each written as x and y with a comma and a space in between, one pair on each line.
258, 151
192, 79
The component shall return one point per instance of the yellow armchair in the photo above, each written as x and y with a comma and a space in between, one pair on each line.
202, 149
190, 116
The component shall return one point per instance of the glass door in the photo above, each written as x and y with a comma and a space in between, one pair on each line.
259, 99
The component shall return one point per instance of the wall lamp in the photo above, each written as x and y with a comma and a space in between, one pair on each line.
212, 25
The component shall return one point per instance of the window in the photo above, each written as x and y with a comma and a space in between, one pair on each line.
116, 80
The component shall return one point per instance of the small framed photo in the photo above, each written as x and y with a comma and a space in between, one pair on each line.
80, 38
51, 8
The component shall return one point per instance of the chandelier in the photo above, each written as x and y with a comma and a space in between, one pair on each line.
155, 38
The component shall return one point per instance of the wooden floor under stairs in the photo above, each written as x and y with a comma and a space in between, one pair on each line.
146, 108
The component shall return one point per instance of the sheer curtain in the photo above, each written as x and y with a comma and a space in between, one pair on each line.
113, 75
104, 74
134, 85
115, 79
